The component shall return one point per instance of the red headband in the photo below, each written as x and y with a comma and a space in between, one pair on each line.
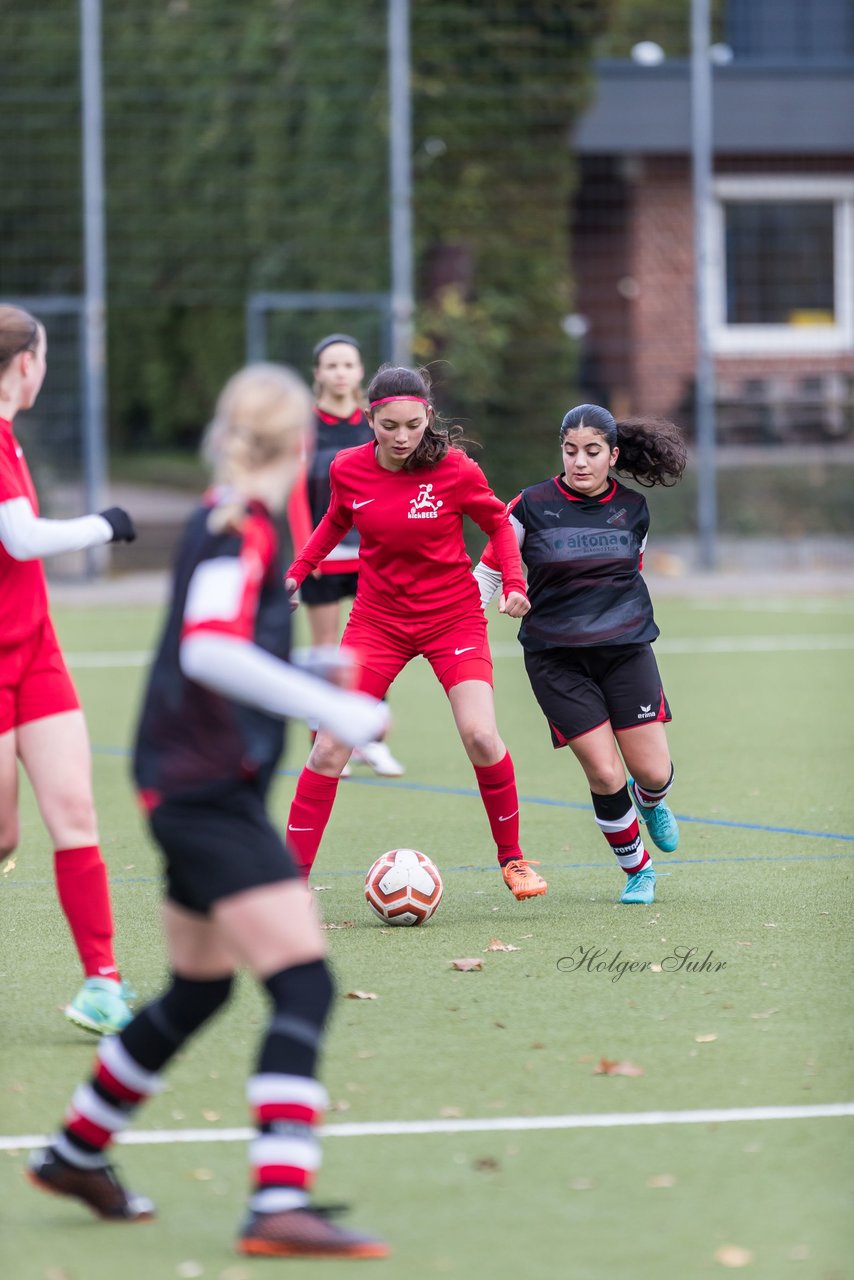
387, 400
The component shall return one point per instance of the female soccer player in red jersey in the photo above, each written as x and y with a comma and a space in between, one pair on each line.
340, 423
41, 722
407, 493
587, 639
209, 739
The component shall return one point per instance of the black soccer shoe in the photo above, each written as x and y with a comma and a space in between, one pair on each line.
305, 1233
99, 1188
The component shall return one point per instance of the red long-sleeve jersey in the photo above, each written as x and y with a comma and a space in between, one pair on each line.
413, 561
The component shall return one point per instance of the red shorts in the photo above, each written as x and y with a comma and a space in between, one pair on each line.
34, 680
457, 650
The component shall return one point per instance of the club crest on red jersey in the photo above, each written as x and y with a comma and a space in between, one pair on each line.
424, 506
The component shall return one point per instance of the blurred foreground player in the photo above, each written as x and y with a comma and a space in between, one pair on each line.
407, 492
41, 723
209, 740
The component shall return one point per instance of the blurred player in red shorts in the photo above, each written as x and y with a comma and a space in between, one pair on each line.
407, 492
41, 722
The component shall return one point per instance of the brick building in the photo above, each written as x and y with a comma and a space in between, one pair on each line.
781, 263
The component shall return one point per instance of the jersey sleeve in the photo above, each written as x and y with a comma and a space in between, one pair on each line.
11, 483
490, 557
299, 512
224, 591
337, 522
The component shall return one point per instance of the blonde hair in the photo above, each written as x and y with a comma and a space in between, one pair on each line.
19, 331
264, 412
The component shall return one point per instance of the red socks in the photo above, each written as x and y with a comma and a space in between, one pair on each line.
309, 814
497, 783
81, 882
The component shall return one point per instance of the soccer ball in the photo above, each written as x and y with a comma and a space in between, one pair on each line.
404, 887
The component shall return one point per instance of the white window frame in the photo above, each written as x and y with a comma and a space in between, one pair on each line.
783, 339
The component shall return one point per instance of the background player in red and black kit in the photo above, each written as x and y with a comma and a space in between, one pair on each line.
407, 493
340, 423
587, 639
41, 722
209, 739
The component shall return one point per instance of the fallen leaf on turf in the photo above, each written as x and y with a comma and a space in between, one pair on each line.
655, 968
744, 944
530, 935
770, 925
450, 1113
211, 1115
366, 1053
581, 1184
799, 1253
732, 1255
766, 1014
201, 1175
537, 1045
495, 944
361, 995
469, 964
9, 865
341, 1105
320, 888
189, 1270
705, 1039
486, 1164
660, 1180
56, 1273
332, 924
608, 1067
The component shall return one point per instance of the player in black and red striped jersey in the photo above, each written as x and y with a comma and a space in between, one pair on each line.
340, 422
407, 493
41, 721
587, 639
210, 736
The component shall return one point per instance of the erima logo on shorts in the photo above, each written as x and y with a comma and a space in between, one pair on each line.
424, 506
646, 713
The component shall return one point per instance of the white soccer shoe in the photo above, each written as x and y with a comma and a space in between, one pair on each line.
377, 756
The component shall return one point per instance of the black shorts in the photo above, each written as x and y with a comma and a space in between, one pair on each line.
218, 845
328, 588
579, 689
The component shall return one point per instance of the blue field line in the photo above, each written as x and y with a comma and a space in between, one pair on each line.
15, 882
469, 793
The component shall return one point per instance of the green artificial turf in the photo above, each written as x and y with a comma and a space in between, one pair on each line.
761, 885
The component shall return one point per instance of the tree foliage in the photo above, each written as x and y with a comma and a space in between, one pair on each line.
246, 149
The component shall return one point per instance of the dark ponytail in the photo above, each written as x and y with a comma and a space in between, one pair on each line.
652, 450
440, 437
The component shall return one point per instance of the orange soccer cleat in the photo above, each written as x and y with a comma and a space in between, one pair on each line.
521, 880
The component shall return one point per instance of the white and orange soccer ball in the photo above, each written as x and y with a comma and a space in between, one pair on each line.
404, 887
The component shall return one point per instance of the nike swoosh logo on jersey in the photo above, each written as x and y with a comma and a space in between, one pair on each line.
508, 817
356, 505
290, 828
467, 649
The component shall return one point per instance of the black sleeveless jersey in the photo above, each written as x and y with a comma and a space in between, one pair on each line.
189, 738
584, 558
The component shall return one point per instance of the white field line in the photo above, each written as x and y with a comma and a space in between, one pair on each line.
700, 644
515, 1124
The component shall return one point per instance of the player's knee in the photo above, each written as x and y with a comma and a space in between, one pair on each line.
605, 780
483, 746
328, 755
74, 815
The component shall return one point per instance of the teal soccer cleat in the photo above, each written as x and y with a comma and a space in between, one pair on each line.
640, 887
100, 1006
660, 823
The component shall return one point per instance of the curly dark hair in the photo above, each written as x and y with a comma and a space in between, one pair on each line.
440, 437
652, 450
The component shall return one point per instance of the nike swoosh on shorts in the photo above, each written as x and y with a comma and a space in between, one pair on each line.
467, 649
356, 505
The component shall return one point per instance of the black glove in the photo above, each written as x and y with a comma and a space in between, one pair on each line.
120, 523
